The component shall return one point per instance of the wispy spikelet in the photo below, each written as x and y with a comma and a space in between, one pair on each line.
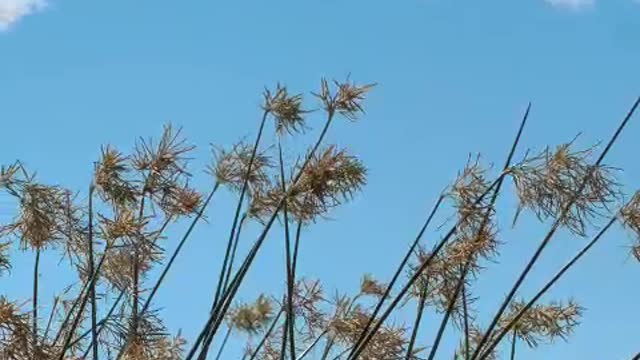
125, 224
370, 286
41, 218
111, 178
475, 336
331, 177
251, 318
388, 343
15, 333
347, 99
164, 164
119, 261
438, 282
9, 178
230, 167
470, 184
151, 341
5, 264
545, 323
287, 110
307, 298
180, 201
630, 215
547, 182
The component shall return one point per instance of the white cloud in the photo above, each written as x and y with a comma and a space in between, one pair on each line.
11, 11
571, 4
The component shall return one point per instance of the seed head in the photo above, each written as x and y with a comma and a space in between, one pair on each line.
251, 318
545, 323
111, 178
548, 182
230, 167
330, 178
287, 110
347, 99
371, 286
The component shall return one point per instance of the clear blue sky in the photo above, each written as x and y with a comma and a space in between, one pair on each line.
454, 77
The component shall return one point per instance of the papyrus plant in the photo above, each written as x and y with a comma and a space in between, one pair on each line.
112, 234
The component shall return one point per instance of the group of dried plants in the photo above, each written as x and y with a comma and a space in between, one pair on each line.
113, 236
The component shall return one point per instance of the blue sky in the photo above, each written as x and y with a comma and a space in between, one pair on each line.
454, 77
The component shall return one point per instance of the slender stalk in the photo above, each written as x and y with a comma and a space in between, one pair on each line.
545, 288
34, 330
359, 347
514, 338
236, 217
233, 251
465, 311
327, 349
416, 324
75, 304
56, 300
485, 221
290, 322
136, 274
92, 290
173, 257
217, 315
285, 336
223, 269
224, 342
177, 250
83, 298
445, 318
296, 249
101, 324
396, 275
83, 303
266, 335
312, 345
557, 223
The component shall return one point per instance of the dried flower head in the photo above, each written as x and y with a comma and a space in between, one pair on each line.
347, 99
125, 224
630, 214
41, 216
5, 264
230, 167
330, 178
180, 201
162, 165
470, 185
15, 334
151, 340
111, 178
307, 298
475, 336
251, 318
548, 182
545, 323
389, 342
438, 282
370, 286
10, 177
119, 262
287, 110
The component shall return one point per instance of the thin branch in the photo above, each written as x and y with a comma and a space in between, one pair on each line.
416, 324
